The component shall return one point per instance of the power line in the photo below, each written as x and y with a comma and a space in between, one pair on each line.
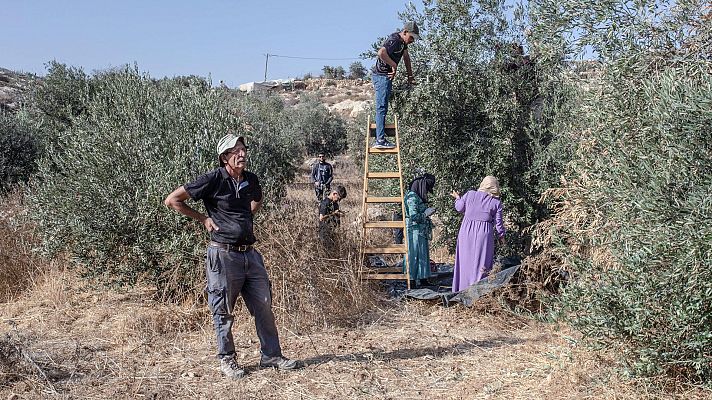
267, 56
314, 58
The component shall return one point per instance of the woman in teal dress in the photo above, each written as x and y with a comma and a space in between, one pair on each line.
419, 227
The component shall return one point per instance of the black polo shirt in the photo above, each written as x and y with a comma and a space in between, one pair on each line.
328, 206
228, 204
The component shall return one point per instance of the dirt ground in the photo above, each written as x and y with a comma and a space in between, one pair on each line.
68, 340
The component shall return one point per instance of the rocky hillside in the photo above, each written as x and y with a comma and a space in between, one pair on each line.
13, 87
346, 97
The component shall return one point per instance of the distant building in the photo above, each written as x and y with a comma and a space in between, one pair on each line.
275, 85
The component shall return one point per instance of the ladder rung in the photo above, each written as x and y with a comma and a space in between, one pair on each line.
383, 199
383, 175
384, 270
385, 276
372, 150
390, 249
388, 126
384, 224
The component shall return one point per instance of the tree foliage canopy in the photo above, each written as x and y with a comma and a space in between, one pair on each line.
128, 141
618, 144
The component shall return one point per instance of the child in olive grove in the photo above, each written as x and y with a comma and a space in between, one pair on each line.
330, 215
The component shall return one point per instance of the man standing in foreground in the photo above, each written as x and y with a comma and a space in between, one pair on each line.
231, 195
383, 72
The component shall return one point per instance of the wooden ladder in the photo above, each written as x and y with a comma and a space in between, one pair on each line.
366, 250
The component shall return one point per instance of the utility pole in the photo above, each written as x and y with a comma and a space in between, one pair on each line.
266, 61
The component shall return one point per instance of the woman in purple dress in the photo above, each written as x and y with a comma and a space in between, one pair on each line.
474, 255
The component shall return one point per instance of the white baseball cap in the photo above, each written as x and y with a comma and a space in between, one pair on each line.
229, 141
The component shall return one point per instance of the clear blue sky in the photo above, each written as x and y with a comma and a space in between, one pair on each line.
224, 39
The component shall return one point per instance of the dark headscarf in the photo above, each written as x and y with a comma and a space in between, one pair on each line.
422, 185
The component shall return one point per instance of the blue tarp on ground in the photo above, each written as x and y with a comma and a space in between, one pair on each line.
440, 284
469, 295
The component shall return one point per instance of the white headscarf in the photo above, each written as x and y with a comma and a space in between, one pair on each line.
490, 185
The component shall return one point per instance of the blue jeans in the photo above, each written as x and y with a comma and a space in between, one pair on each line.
382, 86
232, 273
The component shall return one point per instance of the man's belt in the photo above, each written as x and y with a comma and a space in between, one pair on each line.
242, 248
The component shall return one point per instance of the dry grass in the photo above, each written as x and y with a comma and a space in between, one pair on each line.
312, 286
100, 345
544, 272
64, 338
573, 214
18, 262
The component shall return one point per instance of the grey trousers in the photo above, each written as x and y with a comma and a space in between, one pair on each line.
232, 273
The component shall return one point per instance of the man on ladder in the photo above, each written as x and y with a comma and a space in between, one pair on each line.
383, 72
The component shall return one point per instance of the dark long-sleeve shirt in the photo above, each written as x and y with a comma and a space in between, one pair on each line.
322, 173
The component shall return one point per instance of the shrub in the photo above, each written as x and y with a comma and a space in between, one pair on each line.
62, 95
627, 142
318, 129
477, 104
100, 197
642, 254
355, 137
632, 217
19, 149
330, 72
357, 70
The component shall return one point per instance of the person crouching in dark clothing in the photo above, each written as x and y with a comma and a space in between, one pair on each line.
330, 215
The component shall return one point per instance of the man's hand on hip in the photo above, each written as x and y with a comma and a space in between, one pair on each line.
210, 225
392, 74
